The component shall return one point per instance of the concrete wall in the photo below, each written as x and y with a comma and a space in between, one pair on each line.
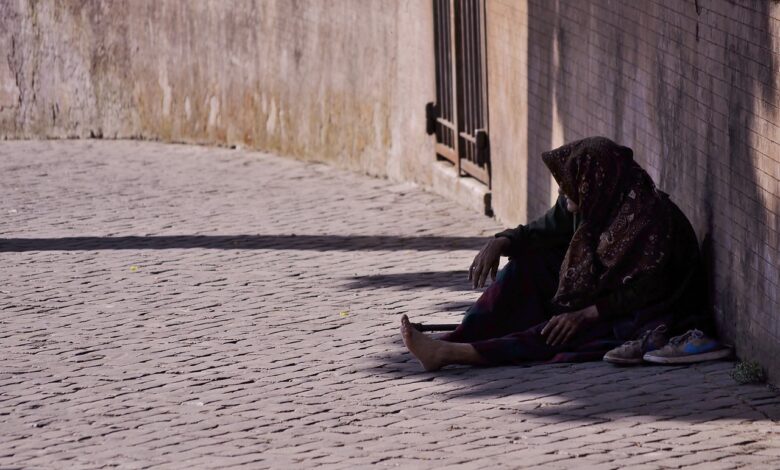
693, 90
343, 81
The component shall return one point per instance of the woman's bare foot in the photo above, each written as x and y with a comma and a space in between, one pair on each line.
426, 350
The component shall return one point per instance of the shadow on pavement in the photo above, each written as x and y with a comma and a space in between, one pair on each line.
244, 242
454, 306
594, 392
452, 280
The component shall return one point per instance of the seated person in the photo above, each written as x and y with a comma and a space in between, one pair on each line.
613, 260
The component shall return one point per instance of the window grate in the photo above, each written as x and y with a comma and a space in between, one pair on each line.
460, 112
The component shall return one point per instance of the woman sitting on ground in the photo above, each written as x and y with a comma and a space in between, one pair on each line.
613, 259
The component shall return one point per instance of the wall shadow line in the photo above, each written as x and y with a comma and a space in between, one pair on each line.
244, 242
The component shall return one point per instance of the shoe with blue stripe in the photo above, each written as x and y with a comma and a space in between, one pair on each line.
692, 346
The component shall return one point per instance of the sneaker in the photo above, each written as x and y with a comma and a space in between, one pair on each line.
631, 352
693, 346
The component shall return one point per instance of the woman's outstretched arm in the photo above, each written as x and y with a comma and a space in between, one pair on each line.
555, 228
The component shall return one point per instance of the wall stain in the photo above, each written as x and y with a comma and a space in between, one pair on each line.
333, 80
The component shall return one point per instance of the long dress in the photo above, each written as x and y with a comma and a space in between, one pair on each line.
505, 324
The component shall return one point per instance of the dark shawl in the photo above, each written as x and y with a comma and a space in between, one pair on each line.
626, 229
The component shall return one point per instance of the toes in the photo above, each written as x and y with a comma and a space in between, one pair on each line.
405, 332
406, 327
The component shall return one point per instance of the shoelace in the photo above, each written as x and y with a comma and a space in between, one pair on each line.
677, 340
641, 341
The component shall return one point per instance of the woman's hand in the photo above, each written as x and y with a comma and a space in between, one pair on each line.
562, 328
487, 261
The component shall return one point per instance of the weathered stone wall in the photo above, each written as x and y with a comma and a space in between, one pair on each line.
343, 81
693, 88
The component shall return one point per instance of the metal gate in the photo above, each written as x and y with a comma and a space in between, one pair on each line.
459, 118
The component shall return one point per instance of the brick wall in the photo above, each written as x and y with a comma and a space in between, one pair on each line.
692, 87
343, 81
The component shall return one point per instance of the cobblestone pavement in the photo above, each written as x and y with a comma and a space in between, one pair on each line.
185, 307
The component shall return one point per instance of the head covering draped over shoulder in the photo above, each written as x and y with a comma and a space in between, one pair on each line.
626, 223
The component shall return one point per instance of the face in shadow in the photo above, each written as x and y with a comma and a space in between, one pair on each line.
571, 206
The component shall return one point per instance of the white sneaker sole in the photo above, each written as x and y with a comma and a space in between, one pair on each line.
708, 356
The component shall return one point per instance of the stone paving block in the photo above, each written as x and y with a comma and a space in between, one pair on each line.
172, 306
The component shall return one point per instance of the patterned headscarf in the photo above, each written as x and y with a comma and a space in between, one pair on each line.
626, 224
